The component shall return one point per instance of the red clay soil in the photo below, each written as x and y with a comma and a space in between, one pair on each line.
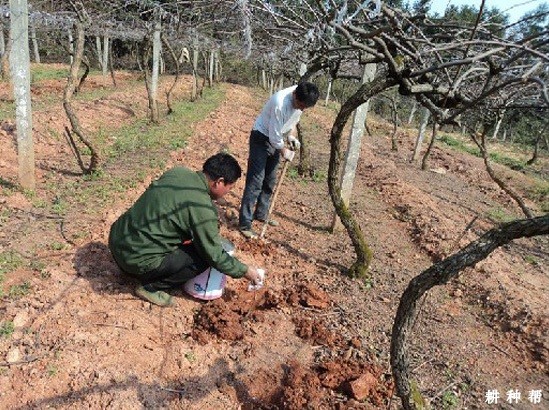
312, 337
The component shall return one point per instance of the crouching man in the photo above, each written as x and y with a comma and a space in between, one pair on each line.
171, 233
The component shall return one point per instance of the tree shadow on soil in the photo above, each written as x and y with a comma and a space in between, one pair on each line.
59, 170
227, 205
153, 395
314, 228
305, 256
94, 262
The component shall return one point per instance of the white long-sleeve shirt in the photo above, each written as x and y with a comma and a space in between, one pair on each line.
278, 117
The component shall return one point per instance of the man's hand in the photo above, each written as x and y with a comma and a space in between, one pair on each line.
288, 154
294, 143
253, 276
256, 277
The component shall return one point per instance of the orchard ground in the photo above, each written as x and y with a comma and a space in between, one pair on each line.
73, 335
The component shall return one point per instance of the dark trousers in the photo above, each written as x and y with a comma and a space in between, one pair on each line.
263, 161
177, 268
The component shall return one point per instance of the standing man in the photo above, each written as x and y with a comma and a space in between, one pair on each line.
171, 233
277, 120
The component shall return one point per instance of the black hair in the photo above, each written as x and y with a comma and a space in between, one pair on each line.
224, 166
307, 93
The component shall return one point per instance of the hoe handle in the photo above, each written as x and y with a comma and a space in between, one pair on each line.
273, 199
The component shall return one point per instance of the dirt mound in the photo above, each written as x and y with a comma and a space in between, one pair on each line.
225, 318
329, 386
336, 384
309, 295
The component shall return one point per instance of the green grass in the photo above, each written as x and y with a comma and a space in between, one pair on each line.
59, 206
8, 185
9, 261
539, 193
319, 176
40, 72
497, 157
500, 215
292, 173
7, 109
136, 150
4, 215
18, 291
460, 145
173, 131
449, 400
6, 329
531, 259
512, 163
190, 356
57, 246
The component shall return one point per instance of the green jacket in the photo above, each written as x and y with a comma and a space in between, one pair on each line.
175, 208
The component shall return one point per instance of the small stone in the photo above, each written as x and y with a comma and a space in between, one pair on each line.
14, 355
441, 171
20, 318
361, 387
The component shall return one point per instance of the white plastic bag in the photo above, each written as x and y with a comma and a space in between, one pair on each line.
206, 286
210, 283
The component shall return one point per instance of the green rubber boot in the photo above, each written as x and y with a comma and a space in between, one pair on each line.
158, 297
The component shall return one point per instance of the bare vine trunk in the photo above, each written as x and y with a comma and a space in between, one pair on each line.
194, 62
508, 190
145, 57
67, 104
5, 61
99, 52
430, 147
440, 274
394, 120
176, 62
35, 48
421, 134
111, 68
84, 76
541, 135
363, 251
